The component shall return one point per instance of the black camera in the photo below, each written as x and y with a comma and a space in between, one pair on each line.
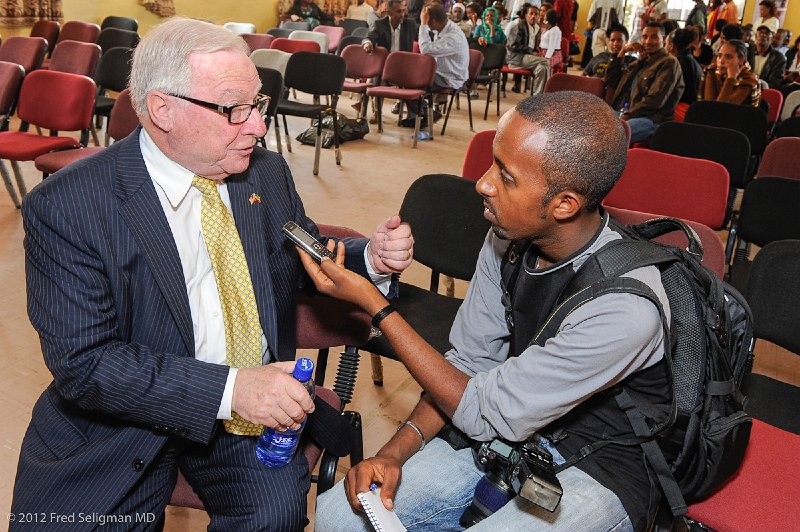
525, 470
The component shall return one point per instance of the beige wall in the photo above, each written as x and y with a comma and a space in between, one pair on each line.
263, 13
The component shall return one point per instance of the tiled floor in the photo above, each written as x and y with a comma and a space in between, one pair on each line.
367, 188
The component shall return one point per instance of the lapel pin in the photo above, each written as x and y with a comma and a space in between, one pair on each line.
254, 198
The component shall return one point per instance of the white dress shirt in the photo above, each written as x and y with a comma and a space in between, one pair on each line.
551, 41
451, 51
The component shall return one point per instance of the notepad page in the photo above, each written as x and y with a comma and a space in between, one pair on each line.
382, 520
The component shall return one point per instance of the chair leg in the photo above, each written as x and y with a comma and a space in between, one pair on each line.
318, 144
469, 108
400, 112
447, 114
9, 186
278, 136
286, 132
336, 146
321, 366
377, 369
20, 181
498, 95
380, 115
430, 115
95, 138
488, 100
417, 121
357, 448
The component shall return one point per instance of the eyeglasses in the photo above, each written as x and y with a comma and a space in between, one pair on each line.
237, 114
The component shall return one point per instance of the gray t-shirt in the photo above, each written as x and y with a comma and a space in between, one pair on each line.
597, 346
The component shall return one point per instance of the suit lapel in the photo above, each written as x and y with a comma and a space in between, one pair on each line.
250, 222
145, 217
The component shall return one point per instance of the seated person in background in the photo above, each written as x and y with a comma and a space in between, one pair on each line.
360, 11
474, 13
550, 40
164, 297
550, 175
393, 32
768, 16
732, 80
701, 51
617, 38
522, 50
490, 32
781, 39
768, 64
603, 14
791, 79
682, 40
458, 16
308, 11
648, 90
727, 33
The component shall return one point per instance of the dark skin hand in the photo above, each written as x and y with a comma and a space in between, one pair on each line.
443, 383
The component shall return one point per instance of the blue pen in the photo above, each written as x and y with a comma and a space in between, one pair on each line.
372, 486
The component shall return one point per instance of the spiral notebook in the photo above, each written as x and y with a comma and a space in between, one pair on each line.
382, 520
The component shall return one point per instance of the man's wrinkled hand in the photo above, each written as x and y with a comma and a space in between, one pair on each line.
391, 248
379, 470
269, 395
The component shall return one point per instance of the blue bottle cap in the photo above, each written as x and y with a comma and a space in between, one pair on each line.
303, 369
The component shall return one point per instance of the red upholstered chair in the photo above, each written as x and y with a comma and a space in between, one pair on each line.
122, 122
763, 494
363, 68
75, 57
320, 38
294, 45
781, 158
48, 30
77, 30
407, 77
526, 74
680, 112
565, 82
415, 47
713, 249
257, 41
334, 33
57, 101
11, 75
774, 98
479, 156
25, 51
473, 71
668, 185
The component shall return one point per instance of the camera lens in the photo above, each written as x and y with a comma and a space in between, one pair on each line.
491, 494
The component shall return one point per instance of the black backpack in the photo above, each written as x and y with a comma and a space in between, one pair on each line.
710, 345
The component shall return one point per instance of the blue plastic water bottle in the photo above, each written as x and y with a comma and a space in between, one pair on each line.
276, 448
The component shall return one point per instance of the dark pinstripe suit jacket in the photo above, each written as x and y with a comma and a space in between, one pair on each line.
107, 295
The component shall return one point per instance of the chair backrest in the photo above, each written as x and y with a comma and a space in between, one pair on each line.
329, 73
114, 37
346, 41
123, 23
408, 70
75, 57
494, 56
669, 185
78, 30
749, 120
48, 30
475, 65
728, 147
275, 59
566, 82
792, 101
319, 38
114, 69
363, 33
350, 24
58, 101
123, 118
788, 128
775, 99
769, 211
360, 64
25, 51
446, 240
240, 27
479, 157
781, 158
257, 41
272, 86
295, 25
335, 35
713, 249
773, 290
11, 75
294, 45
279, 32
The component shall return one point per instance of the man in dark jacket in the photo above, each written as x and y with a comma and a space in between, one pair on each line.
768, 63
394, 32
648, 91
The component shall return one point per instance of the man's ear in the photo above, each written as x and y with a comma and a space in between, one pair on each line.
161, 110
567, 204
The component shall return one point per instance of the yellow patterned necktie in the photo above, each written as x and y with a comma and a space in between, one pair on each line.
239, 310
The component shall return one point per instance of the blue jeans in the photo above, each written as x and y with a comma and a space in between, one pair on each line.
641, 129
438, 484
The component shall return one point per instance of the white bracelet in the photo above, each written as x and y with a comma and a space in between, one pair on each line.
416, 429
